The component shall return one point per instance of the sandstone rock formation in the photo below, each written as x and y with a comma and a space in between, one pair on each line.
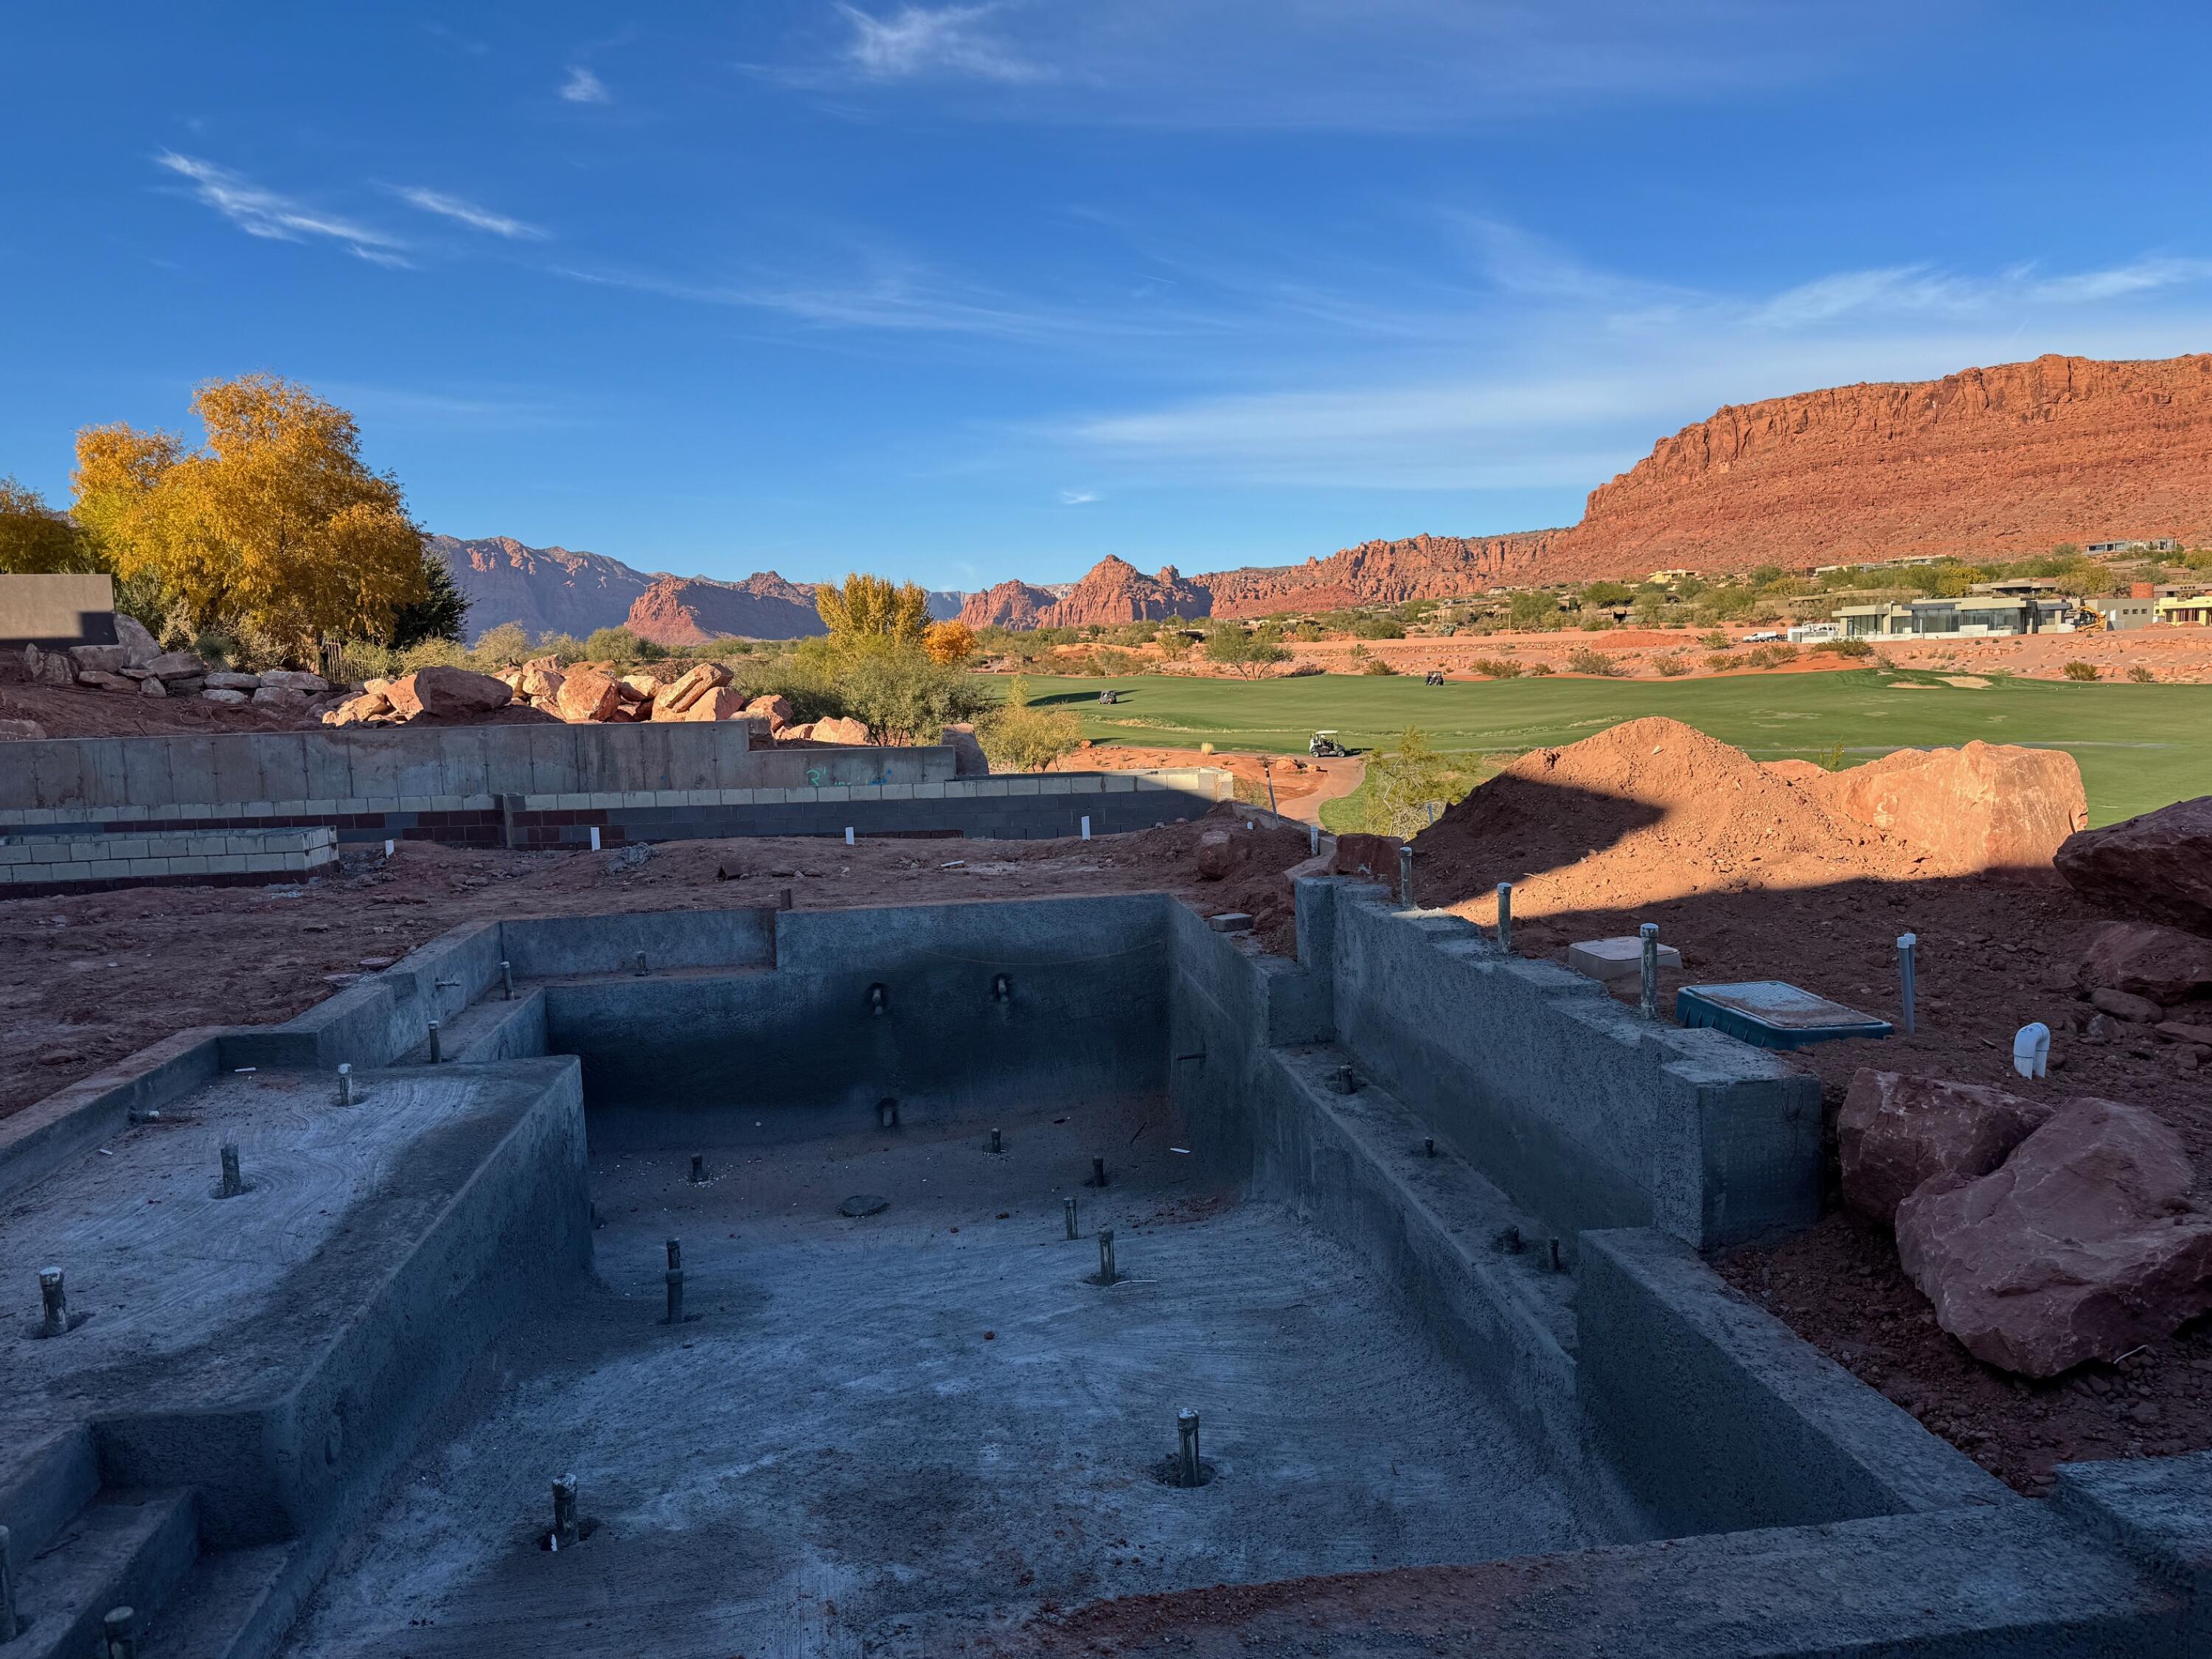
685, 611
676, 697
968, 760
839, 729
450, 693
2084, 1244
1996, 808
2142, 959
1114, 592
1896, 1132
546, 590
2157, 865
587, 694
2008, 460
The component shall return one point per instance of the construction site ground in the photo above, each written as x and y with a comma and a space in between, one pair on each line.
88, 980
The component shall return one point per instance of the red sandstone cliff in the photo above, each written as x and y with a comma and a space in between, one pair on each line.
683, 611
2009, 460
2006, 461
548, 590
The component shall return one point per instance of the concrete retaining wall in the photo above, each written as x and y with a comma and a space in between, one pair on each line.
797, 1043
1586, 1113
1720, 1418
346, 770
55, 611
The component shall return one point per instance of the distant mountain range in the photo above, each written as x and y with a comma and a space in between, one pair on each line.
551, 590
2008, 461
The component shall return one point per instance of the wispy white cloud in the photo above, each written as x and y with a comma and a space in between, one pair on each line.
1077, 497
1381, 64
1902, 290
582, 87
260, 211
953, 42
469, 213
885, 295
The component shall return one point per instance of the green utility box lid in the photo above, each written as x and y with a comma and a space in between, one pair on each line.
1769, 1014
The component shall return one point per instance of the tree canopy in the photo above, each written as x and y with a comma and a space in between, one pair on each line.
275, 524
37, 541
869, 610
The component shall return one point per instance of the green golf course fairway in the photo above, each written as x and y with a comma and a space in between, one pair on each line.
2139, 746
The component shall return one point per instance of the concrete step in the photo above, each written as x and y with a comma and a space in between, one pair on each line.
127, 1547
236, 1605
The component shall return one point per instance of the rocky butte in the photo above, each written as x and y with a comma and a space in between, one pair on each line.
2010, 460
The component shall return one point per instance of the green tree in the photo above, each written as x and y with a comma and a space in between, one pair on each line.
1246, 655
902, 696
1018, 738
1401, 783
1532, 608
612, 645
442, 612
503, 646
1603, 593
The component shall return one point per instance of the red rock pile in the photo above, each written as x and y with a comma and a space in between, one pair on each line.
2084, 1243
2157, 865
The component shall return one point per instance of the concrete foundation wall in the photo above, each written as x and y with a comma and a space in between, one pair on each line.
1586, 1113
1720, 1418
54, 611
516, 1226
343, 769
666, 1058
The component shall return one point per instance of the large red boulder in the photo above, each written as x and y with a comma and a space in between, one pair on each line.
1374, 857
838, 728
776, 710
2084, 1244
716, 702
2145, 960
448, 693
2157, 865
586, 693
1896, 1131
674, 699
1991, 808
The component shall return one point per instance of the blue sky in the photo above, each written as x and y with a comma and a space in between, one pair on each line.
962, 292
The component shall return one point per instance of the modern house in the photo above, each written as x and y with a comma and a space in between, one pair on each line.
2133, 611
2154, 544
1972, 614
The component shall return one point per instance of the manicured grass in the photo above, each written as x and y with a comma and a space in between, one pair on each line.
2139, 746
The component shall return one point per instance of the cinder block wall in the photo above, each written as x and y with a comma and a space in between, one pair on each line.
1581, 1109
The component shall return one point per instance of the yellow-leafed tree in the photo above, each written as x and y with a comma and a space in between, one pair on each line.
950, 643
869, 611
34, 539
276, 523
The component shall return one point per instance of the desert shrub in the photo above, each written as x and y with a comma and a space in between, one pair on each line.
1831, 759
1843, 648
2142, 676
1539, 669
1720, 662
501, 647
1017, 738
621, 645
1303, 668
355, 660
1400, 784
1716, 641
1378, 627
1584, 661
2078, 670
564, 649
1376, 665
1497, 668
1770, 656
1670, 665
431, 653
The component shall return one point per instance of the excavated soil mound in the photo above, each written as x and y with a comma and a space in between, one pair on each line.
1646, 810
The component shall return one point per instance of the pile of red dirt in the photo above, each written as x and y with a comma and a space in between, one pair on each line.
1649, 810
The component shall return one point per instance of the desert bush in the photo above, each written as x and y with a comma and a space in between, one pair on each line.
1843, 648
2142, 676
1715, 641
1017, 738
1303, 668
1770, 656
1720, 662
2078, 670
501, 647
564, 649
1496, 668
1376, 665
1539, 669
1584, 661
1670, 665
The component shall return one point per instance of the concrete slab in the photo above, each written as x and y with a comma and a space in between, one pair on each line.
1609, 959
938, 1412
1768, 1013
